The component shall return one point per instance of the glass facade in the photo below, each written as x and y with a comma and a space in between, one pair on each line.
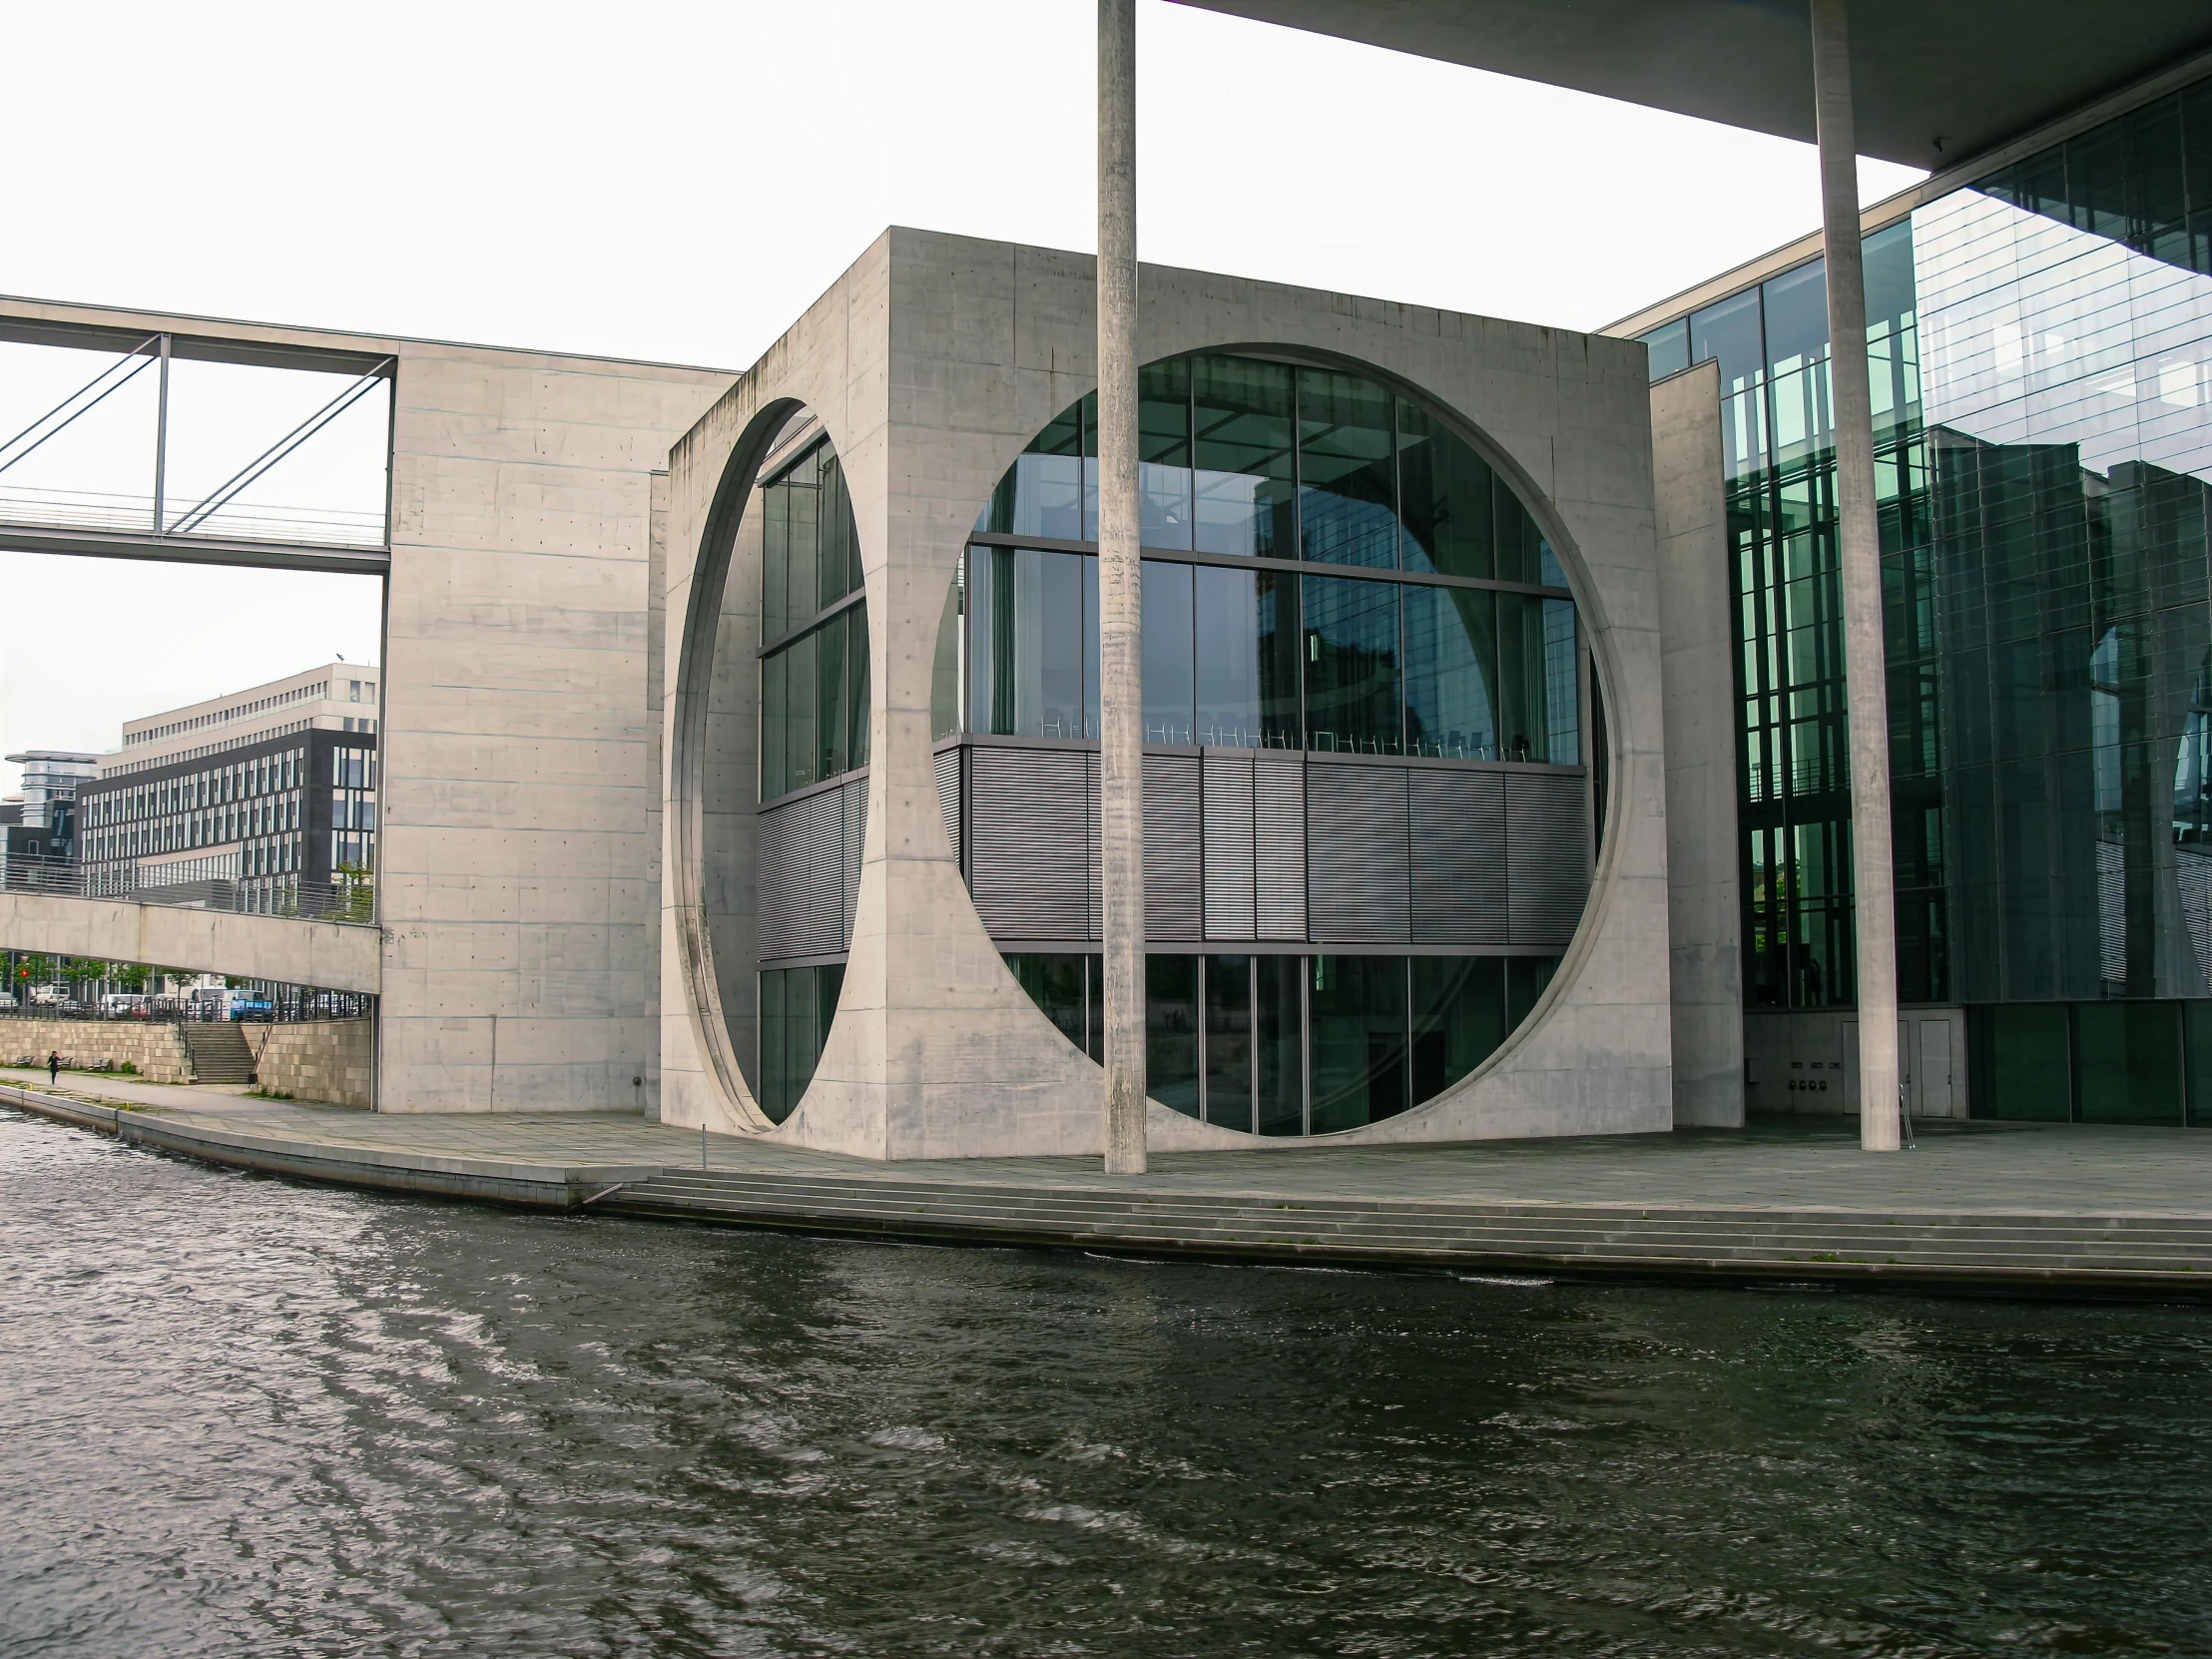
1299, 1045
1328, 567
796, 1006
2041, 347
814, 629
1451, 635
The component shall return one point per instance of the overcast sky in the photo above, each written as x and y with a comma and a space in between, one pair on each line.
677, 183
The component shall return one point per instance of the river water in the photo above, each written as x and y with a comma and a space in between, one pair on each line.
246, 1418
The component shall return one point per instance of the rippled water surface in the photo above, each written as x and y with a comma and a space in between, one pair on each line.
247, 1417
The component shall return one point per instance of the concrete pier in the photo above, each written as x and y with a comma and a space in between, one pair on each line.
2055, 1209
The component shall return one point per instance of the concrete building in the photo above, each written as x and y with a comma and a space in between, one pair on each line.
1405, 840
250, 799
38, 829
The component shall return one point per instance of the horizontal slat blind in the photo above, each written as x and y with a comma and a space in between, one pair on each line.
854, 797
947, 765
1029, 842
1547, 839
1231, 913
1172, 862
1279, 845
1357, 876
802, 864
1458, 836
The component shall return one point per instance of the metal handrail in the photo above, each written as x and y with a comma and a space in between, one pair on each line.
290, 896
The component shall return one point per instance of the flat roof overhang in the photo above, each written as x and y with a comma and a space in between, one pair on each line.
1934, 81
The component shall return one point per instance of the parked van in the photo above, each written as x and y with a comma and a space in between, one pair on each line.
121, 1004
50, 996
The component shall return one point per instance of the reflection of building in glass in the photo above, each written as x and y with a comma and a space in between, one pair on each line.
1368, 799
2042, 354
255, 794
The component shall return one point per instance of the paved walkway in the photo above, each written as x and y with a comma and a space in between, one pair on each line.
2023, 1169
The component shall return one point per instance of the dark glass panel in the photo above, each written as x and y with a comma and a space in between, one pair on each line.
775, 562
1669, 348
1170, 662
1522, 554
1886, 271
858, 669
1525, 980
1247, 670
1042, 493
1095, 978
1026, 642
1164, 451
1089, 408
803, 582
1446, 490
1450, 670
2196, 1020
803, 711
1458, 1018
1537, 695
1229, 1041
796, 1008
1055, 984
1171, 1031
2019, 1066
1352, 666
772, 1076
1730, 332
774, 718
944, 673
1091, 726
832, 726
1280, 1040
837, 563
1356, 1006
1348, 495
2127, 1062
1241, 447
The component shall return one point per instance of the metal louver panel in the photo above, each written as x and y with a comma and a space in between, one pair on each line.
1458, 857
1279, 845
1094, 871
1547, 855
1028, 842
1171, 857
802, 866
1356, 876
947, 768
854, 797
1231, 911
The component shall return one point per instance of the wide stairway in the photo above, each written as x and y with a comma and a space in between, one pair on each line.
218, 1053
2022, 1249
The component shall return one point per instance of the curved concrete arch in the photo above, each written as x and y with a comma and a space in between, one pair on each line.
332, 956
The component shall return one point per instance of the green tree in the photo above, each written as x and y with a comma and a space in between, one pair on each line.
356, 896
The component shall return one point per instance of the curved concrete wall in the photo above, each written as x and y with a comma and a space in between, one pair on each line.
932, 364
330, 955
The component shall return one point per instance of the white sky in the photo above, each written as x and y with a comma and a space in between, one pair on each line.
677, 183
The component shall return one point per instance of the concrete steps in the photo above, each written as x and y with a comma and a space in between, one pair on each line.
1748, 1243
219, 1052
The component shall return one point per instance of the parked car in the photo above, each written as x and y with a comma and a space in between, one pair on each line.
121, 1004
8, 1004
51, 997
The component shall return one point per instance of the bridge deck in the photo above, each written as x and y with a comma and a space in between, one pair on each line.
2061, 1207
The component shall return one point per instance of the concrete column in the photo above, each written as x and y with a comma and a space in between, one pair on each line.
1865, 666
1120, 610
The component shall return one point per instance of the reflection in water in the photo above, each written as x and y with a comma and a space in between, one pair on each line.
253, 1418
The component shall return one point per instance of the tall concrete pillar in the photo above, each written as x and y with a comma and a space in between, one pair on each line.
1120, 607
1859, 535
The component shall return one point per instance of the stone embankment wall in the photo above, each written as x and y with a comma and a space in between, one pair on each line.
322, 1059
153, 1046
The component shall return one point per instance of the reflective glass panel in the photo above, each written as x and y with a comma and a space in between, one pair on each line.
1446, 490
1170, 660
1450, 670
1669, 348
796, 1008
1026, 642
1458, 1018
1242, 449
1537, 717
2127, 1062
1171, 1031
1229, 1041
1352, 666
1348, 493
1246, 667
1164, 452
1357, 1005
1056, 985
1279, 1043
1042, 495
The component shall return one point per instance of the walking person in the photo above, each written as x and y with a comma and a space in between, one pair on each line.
53, 1067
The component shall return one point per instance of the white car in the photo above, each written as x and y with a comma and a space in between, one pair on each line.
120, 1004
8, 1004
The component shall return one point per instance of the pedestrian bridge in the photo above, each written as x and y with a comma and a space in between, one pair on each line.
328, 955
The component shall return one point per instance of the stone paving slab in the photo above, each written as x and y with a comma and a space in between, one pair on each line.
2024, 1169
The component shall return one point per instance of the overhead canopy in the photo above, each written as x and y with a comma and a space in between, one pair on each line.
1934, 81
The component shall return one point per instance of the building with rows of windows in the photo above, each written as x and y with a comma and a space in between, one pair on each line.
253, 799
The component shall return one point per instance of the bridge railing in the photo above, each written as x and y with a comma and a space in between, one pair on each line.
291, 897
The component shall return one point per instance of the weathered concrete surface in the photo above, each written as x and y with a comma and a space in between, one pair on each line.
332, 957
1697, 653
932, 364
518, 858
